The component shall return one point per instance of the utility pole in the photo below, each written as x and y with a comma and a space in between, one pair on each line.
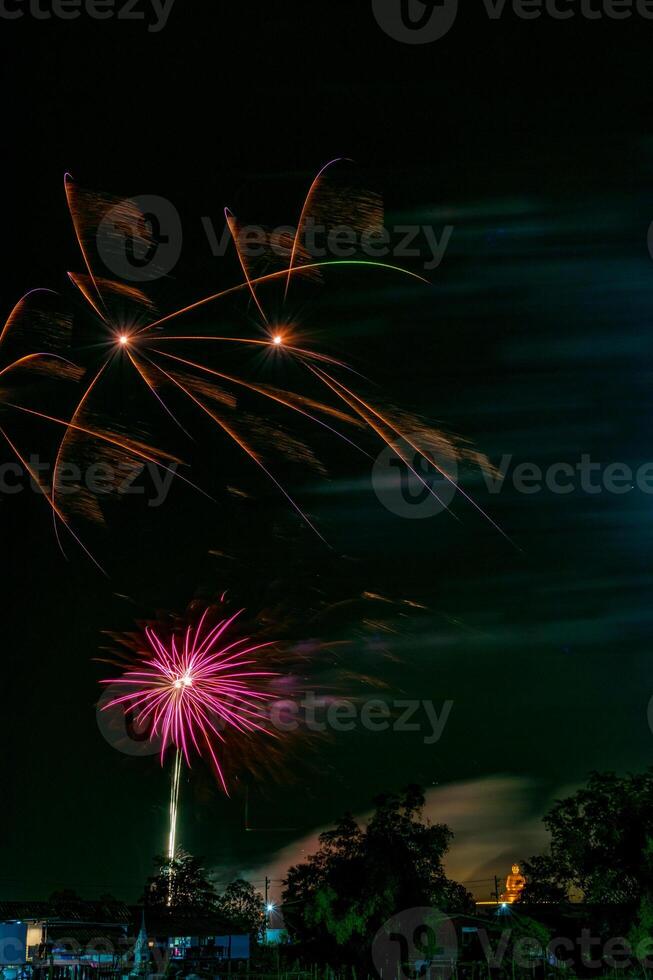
268, 882
496, 892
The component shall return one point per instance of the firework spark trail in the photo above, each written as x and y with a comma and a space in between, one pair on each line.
47, 362
241, 443
281, 397
300, 224
274, 276
62, 366
55, 509
68, 182
174, 810
156, 394
379, 432
402, 435
231, 225
70, 428
141, 452
28, 358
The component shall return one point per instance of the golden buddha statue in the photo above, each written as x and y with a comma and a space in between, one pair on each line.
514, 885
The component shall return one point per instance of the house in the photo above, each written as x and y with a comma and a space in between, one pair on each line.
73, 934
66, 932
192, 940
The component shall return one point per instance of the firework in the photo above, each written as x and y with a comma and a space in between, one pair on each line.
135, 335
195, 689
172, 361
211, 685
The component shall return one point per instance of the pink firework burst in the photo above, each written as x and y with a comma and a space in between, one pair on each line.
192, 689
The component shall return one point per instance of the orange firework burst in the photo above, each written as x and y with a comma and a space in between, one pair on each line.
157, 349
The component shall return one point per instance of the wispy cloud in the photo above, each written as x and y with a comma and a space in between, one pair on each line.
493, 821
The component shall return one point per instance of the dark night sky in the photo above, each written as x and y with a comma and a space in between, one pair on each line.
534, 140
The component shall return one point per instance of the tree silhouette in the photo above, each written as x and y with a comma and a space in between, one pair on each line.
543, 885
181, 886
601, 843
336, 901
241, 908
